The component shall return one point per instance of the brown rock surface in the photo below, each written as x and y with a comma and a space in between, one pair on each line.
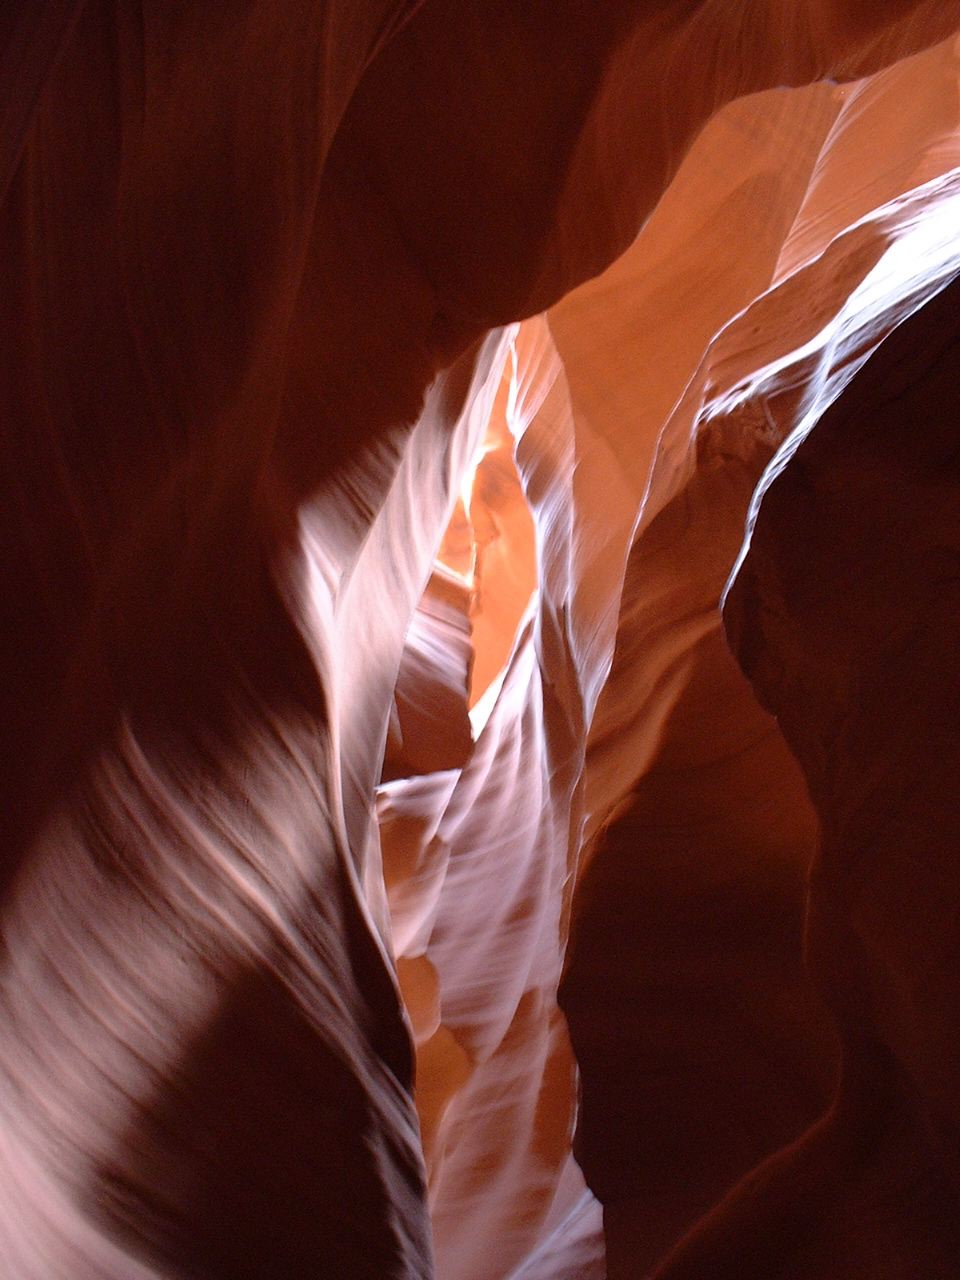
849, 635
285, 797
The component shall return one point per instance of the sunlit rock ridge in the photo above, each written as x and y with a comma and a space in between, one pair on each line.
481, 524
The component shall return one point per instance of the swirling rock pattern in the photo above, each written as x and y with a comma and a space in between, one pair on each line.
364, 532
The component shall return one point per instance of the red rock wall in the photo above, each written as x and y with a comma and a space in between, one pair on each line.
362, 642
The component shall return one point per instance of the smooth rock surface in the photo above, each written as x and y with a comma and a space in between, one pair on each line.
360, 561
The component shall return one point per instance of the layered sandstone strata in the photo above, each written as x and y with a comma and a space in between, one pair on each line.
365, 532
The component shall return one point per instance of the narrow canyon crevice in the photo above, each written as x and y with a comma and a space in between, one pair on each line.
479, 588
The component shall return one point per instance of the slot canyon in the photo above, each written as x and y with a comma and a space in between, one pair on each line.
480, 529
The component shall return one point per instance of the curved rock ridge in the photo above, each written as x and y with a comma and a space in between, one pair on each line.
359, 567
718, 832
856, 662
737, 434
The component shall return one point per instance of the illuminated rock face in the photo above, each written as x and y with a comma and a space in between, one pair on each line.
363, 650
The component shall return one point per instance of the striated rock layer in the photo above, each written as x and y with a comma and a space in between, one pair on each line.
361, 582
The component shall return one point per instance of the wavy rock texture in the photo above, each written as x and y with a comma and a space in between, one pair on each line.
699, 1037
361, 584
854, 661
